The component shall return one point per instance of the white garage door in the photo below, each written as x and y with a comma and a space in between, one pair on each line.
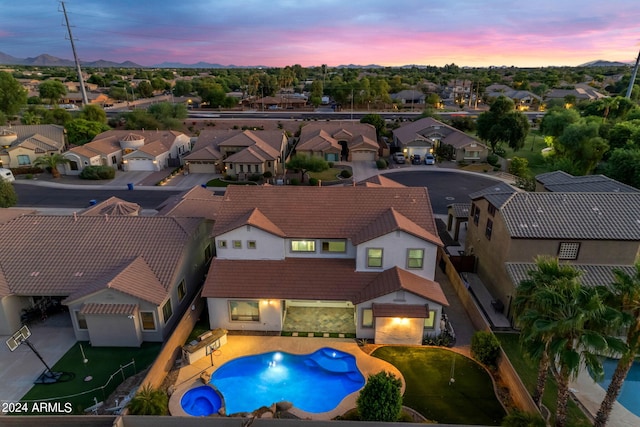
141, 165
422, 151
357, 156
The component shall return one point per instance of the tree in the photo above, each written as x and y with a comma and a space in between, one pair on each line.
376, 120
81, 131
502, 124
306, 164
556, 120
624, 166
93, 113
149, 401
12, 95
144, 89
51, 162
380, 398
623, 295
316, 93
182, 88
8, 195
52, 90
582, 146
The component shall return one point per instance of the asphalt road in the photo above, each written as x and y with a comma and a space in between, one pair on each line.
46, 197
444, 187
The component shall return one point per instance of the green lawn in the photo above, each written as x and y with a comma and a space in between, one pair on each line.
534, 140
217, 182
328, 175
528, 372
102, 363
427, 372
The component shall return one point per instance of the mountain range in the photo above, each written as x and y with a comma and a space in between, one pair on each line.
45, 60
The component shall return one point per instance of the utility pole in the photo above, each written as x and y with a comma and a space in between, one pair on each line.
633, 77
85, 100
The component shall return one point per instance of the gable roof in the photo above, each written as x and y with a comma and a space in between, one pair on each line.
422, 129
330, 212
328, 279
155, 142
598, 216
497, 194
561, 181
57, 255
51, 134
195, 202
326, 135
379, 181
391, 220
592, 275
113, 206
269, 141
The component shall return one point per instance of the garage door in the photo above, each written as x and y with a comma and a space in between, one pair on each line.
358, 156
202, 168
422, 151
141, 165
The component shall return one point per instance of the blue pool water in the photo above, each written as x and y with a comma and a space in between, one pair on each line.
315, 382
630, 394
201, 401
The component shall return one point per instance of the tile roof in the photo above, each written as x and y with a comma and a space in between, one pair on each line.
389, 221
55, 133
328, 279
109, 309
401, 310
204, 153
560, 181
379, 181
8, 214
497, 194
113, 206
592, 274
58, 255
155, 142
325, 136
328, 212
461, 210
596, 216
195, 202
423, 128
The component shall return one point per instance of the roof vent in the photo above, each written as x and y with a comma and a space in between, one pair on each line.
524, 226
34, 274
78, 273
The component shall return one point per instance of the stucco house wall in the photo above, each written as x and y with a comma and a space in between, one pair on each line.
270, 315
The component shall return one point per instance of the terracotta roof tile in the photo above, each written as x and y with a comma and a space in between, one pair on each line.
195, 202
392, 220
109, 309
257, 219
113, 206
380, 180
401, 310
395, 279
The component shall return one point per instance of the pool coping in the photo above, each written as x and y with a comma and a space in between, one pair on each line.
243, 345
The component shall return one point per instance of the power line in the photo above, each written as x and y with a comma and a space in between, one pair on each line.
85, 100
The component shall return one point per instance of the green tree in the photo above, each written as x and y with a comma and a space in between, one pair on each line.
502, 124
433, 99
624, 166
8, 195
51, 162
581, 145
316, 93
556, 120
306, 164
93, 113
166, 113
81, 131
623, 295
376, 120
518, 418
52, 90
144, 89
149, 401
380, 398
519, 166
141, 119
182, 88
485, 348
12, 95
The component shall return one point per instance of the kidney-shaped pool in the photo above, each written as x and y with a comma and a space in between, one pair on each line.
315, 382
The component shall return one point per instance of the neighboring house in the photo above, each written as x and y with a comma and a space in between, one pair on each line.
409, 97
20, 146
560, 181
507, 229
195, 202
125, 279
283, 102
522, 99
238, 153
335, 141
581, 92
95, 98
130, 151
368, 252
425, 135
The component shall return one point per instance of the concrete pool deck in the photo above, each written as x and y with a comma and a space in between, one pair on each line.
241, 345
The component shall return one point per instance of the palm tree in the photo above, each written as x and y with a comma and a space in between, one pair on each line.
148, 401
51, 162
623, 294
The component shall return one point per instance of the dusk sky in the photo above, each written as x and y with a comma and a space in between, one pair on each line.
334, 32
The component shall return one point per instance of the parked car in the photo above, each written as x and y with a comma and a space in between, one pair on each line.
415, 159
429, 159
399, 158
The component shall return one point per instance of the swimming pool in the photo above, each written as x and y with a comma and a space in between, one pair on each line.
315, 382
201, 401
630, 394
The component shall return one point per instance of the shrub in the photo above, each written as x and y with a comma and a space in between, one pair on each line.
380, 399
23, 170
314, 182
8, 195
519, 418
98, 172
255, 177
493, 159
267, 174
330, 165
149, 401
485, 348
381, 164
345, 173
294, 181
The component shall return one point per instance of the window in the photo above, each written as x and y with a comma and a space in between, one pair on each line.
148, 321
81, 320
73, 165
251, 244
568, 250
207, 253
256, 168
489, 229
415, 258
303, 246
476, 214
334, 246
182, 290
367, 318
430, 322
167, 311
222, 244
244, 311
237, 244
491, 209
374, 257
23, 160
114, 160
241, 168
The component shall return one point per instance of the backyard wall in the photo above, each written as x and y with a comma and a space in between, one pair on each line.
518, 392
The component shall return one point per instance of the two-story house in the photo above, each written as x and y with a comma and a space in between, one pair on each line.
425, 135
238, 153
130, 151
367, 252
124, 279
596, 232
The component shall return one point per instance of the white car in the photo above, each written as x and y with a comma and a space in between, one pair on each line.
429, 159
399, 158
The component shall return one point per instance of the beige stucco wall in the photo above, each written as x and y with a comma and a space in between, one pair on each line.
270, 315
398, 331
114, 330
10, 310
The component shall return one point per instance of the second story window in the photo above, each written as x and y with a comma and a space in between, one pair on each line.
303, 246
489, 229
476, 214
334, 246
491, 209
374, 257
415, 258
